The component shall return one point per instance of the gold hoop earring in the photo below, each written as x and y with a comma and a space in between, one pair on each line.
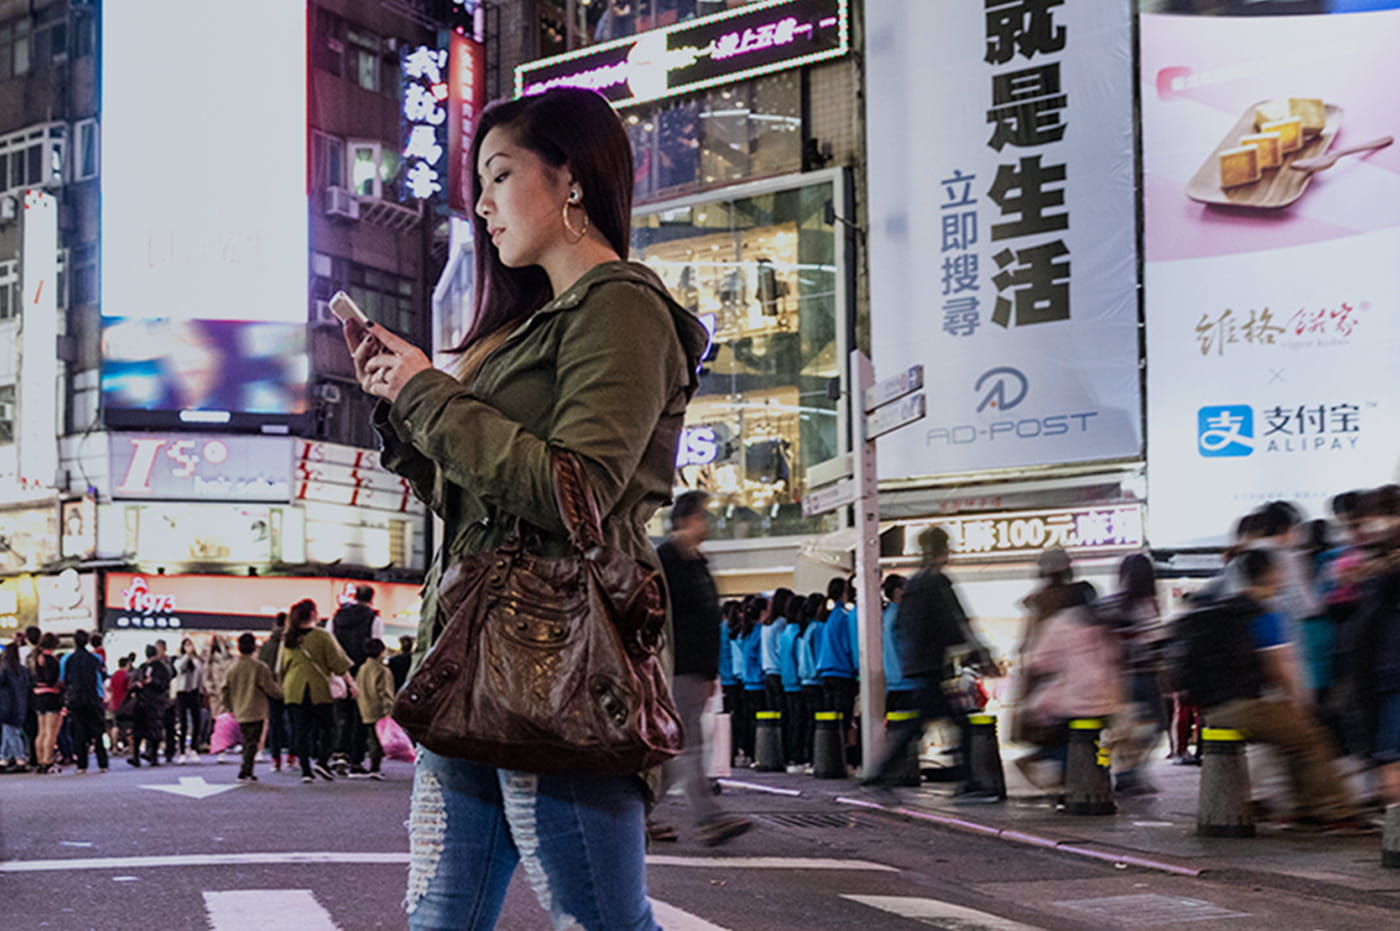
573, 236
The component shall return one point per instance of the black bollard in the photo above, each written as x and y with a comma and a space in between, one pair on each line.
907, 772
983, 757
828, 746
768, 741
1088, 787
1222, 801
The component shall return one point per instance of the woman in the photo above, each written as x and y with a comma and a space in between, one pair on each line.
218, 662
1135, 616
48, 701
308, 660
276, 736
14, 705
574, 348
189, 702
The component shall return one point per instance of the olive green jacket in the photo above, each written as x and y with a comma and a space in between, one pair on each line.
310, 665
604, 370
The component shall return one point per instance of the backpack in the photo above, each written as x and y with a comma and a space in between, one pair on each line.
1210, 655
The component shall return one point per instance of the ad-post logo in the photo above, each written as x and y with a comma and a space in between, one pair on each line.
995, 382
1226, 430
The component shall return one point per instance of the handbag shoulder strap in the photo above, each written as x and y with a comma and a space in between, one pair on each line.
577, 506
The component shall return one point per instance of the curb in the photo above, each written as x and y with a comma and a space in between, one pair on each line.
1023, 837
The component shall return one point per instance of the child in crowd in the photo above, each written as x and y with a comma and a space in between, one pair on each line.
376, 699
246, 689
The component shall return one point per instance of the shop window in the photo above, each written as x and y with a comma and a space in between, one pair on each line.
747, 131
761, 272
7, 413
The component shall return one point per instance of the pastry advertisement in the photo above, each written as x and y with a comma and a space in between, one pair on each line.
1271, 215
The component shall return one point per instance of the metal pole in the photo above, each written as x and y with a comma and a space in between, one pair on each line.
867, 513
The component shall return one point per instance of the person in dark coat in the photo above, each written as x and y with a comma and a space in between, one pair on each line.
353, 626
695, 625
14, 705
929, 621
152, 687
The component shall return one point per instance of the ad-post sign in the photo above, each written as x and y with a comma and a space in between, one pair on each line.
1002, 230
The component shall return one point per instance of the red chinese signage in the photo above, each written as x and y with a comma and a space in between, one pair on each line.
466, 98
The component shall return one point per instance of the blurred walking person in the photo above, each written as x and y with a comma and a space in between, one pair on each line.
278, 739
1135, 617
248, 687
308, 660
353, 625
695, 632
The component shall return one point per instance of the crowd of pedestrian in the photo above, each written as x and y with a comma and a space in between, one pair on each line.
305, 697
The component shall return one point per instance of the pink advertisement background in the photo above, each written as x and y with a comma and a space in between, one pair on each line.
1346, 60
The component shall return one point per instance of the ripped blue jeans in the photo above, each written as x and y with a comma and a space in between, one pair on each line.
580, 839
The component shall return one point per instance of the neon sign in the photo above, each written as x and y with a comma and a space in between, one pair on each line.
425, 117
753, 40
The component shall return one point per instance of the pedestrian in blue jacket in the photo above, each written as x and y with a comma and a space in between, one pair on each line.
750, 659
898, 690
792, 685
808, 645
774, 621
838, 661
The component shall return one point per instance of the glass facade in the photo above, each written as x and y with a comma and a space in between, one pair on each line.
762, 272
721, 136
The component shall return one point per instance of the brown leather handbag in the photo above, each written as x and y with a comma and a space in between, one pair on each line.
548, 664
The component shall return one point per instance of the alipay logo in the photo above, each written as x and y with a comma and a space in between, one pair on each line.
1225, 431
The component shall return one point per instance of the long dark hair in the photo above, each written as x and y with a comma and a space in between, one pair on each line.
299, 613
564, 126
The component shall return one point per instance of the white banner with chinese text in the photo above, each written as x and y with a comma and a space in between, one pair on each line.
1002, 231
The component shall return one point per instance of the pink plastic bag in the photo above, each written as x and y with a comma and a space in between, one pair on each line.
227, 734
395, 742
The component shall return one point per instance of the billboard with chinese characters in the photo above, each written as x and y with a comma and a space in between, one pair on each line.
425, 95
1002, 230
204, 212
723, 48
1273, 295
1104, 529
200, 467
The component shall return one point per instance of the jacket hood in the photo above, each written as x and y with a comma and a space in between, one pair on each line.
695, 339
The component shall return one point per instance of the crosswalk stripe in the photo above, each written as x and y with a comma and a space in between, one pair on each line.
944, 913
768, 863
674, 919
267, 910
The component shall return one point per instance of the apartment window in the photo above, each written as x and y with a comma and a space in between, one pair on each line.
9, 290
32, 157
328, 160
7, 413
385, 296
365, 66
85, 159
50, 36
373, 168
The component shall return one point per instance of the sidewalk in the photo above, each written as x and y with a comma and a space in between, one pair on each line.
1153, 832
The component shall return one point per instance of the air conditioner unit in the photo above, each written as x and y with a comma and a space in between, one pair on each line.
9, 208
323, 313
330, 393
7, 411
340, 204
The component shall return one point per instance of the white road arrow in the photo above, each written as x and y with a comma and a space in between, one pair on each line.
194, 787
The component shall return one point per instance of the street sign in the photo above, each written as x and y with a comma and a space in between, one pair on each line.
893, 416
829, 498
906, 382
832, 470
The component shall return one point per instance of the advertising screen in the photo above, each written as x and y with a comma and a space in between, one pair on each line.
1273, 295
1002, 230
204, 210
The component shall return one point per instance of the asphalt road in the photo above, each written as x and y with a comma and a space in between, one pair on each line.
76, 852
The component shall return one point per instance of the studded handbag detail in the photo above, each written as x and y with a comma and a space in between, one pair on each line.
548, 664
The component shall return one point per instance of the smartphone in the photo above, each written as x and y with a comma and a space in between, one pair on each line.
346, 310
